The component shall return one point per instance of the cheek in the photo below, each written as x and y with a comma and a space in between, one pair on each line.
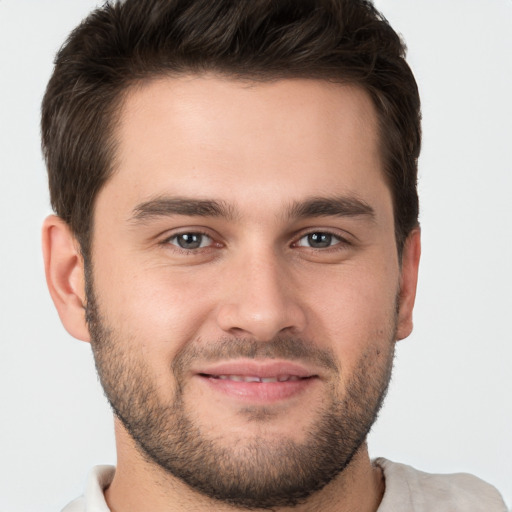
150, 307
359, 321
356, 307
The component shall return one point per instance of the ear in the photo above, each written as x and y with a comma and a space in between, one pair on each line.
64, 269
408, 281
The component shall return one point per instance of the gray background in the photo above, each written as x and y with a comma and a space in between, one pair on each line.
449, 407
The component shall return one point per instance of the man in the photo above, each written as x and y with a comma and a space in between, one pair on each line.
237, 236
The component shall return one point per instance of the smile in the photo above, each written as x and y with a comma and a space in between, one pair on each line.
262, 382
253, 378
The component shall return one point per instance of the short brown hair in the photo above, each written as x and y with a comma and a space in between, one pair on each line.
127, 41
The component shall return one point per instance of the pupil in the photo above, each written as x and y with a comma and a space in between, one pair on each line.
320, 240
189, 241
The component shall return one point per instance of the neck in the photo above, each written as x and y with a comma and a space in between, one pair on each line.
140, 485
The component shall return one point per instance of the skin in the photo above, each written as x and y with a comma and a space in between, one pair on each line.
257, 148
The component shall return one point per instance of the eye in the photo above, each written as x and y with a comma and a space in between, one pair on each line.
190, 241
319, 240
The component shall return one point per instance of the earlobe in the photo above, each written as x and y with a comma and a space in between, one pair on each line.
408, 282
64, 269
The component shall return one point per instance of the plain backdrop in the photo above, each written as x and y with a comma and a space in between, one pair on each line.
449, 408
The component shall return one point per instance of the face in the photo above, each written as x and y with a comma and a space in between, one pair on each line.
244, 293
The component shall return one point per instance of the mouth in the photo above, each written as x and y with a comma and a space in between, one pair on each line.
254, 378
259, 382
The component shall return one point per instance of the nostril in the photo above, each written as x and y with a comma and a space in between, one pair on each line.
241, 321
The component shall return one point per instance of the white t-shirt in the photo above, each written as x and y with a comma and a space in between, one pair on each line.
407, 490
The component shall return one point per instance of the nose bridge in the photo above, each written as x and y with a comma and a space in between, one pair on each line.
260, 300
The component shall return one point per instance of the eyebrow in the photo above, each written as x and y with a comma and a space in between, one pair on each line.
168, 206
312, 207
339, 206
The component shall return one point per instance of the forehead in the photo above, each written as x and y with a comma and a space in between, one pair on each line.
213, 136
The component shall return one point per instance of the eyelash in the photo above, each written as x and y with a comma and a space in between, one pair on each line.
175, 247
341, 243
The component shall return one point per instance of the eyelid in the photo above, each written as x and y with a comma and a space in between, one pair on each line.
336, 239
166, 240
344, 237
204, 239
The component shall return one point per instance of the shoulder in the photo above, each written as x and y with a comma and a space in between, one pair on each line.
93, 498
408, 489
77, 505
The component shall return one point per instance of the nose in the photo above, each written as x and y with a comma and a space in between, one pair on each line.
260, 300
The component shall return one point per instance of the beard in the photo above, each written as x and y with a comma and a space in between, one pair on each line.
260, 472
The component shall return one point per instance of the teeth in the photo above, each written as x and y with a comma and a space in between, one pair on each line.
251, 378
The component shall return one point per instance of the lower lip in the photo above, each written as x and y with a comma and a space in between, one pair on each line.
263, 392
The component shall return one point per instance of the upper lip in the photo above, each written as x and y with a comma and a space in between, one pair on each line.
255, 368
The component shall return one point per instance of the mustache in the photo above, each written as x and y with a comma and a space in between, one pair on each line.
290, 348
